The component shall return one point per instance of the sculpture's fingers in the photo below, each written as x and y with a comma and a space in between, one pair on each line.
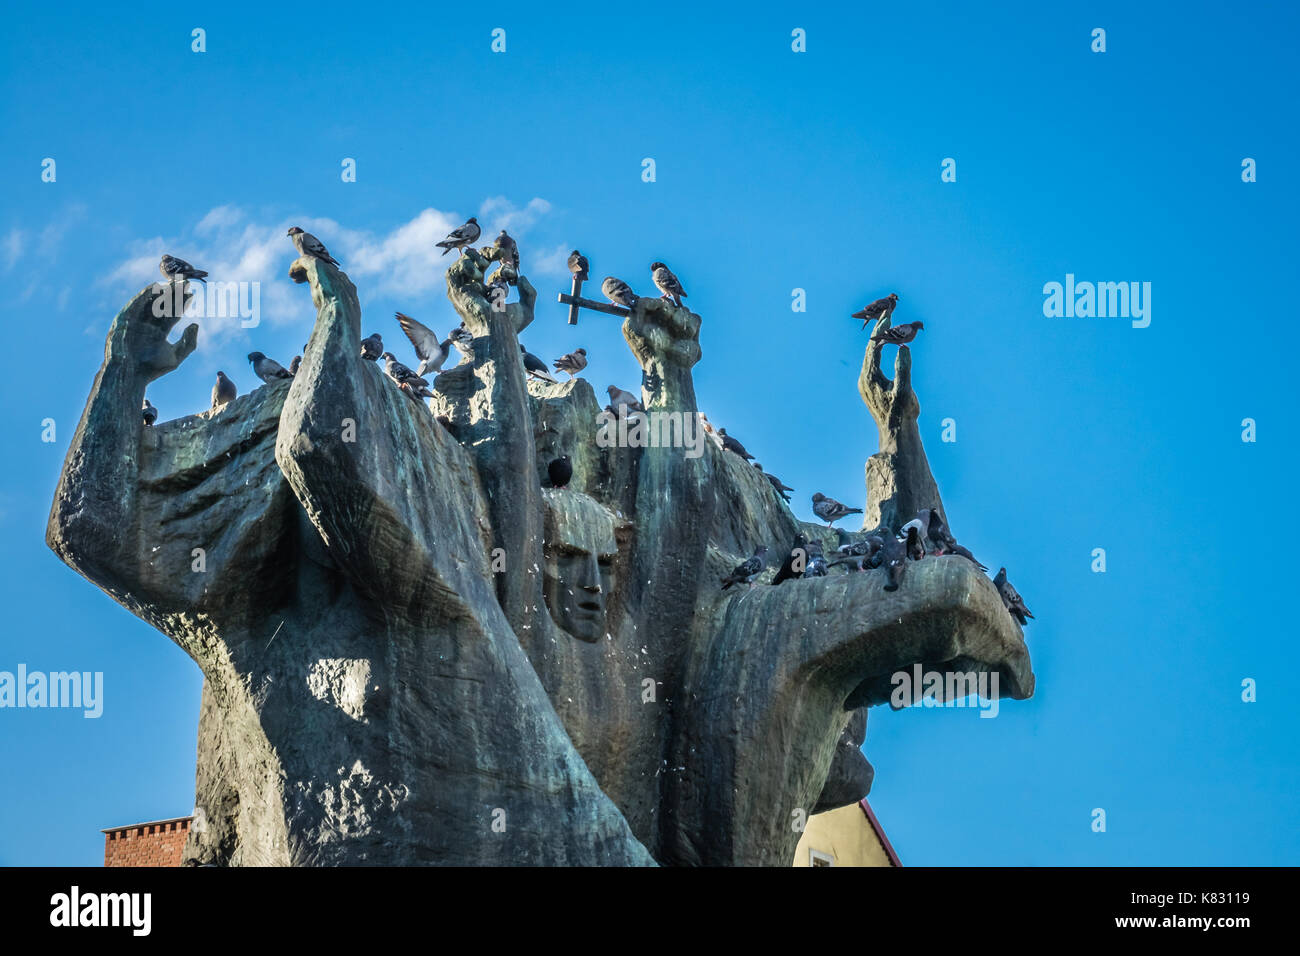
903, 369
186, 344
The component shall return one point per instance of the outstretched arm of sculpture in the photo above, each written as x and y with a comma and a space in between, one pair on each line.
899, 482
786, 663
94, 522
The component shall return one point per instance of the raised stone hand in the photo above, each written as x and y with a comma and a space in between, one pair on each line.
666, 343
145, 331
899, 482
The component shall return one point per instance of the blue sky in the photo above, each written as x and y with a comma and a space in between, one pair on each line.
775, 170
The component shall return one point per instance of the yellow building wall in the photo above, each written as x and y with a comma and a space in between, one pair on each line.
845, 835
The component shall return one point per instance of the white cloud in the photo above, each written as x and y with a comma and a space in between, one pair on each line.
553, 262
234, 246
14, 245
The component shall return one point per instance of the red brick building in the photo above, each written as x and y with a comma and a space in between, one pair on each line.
147, 844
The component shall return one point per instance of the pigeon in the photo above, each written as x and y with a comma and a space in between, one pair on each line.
711, 431
463, 339
893, 558
535, 367
877, 309
149, 413
914, 540
428, 349
268, 370
817, 567
830, 510
400, 374
174, 268
224, 391
748, 570
621, 400
462, 237
965, 553
899, 334
560, 471
579, 266
667, 283
732, 445
618, 292
372, 346
934, 528
795, 562
295, 364
573, 363
1011, 597
309, 245
509, 250
780, 486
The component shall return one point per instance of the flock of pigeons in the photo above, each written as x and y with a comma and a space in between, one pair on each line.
926, 534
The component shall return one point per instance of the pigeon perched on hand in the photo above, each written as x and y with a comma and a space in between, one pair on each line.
400, 374
579, 266
746, 572
877, 309
560, 471
618, 292
1011, 597
535, 367
224, 391
428, 349
372, 347
899, 334
267, 369
509, 250
793, 566
732, 445
461, 237
667, 283
777, 484
830, 510
573, 363
309, 245
148, 412
174, 268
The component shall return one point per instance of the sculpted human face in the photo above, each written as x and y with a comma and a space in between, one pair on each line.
577, 588
581, 545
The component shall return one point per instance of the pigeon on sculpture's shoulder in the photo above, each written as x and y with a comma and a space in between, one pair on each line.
224, 391
400, 374
267, 369
560, 471
914, 540
733, 445
309, 245
573, 363
372, 347
817, 567
148, 412
667, 283
621, 399
1011, 597
746, 572
174, 268
536, 368
795, 562
579, 266
461, 237
830, 510
428, 349
898, 334
618, 292
877, 309
777, 484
